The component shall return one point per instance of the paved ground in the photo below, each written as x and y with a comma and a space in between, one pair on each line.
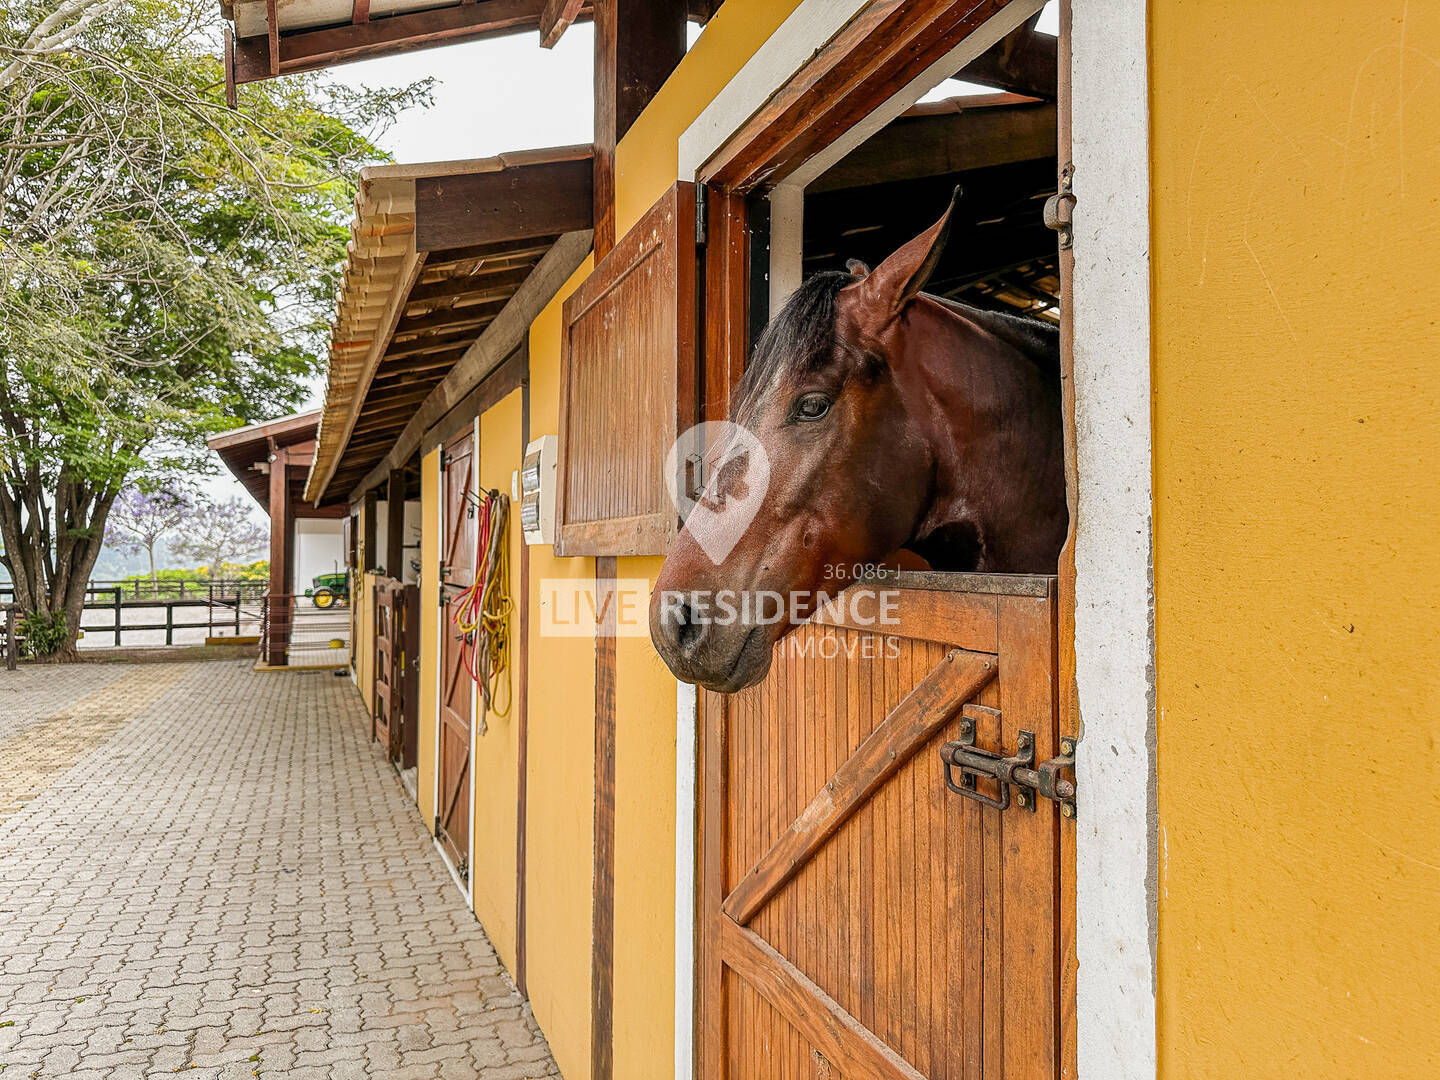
209, 870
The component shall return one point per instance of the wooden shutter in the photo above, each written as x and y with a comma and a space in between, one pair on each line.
628, 365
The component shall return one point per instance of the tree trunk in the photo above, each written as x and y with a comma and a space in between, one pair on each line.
154, 578
84, 551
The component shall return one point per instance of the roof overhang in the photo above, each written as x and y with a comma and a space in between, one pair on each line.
246, 451
444, 261
280, 37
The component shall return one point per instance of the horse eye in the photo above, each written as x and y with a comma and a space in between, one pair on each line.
812, 407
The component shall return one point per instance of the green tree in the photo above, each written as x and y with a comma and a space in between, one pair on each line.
167, 266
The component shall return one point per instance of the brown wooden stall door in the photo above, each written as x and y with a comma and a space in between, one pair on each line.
628, 364
457, 690
860, 920
386, 699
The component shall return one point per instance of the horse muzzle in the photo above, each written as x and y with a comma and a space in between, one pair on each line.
723, 656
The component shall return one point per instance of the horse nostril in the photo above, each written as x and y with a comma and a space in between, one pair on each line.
688, 629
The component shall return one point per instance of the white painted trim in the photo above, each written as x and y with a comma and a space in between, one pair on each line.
973, 44
687, 716
1116, 862
787, 243
808, 27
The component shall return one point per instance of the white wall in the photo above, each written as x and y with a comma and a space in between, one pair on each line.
412, 540
319, 549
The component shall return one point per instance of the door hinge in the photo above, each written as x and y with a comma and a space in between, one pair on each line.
1016, 771
1060, 208
702, 223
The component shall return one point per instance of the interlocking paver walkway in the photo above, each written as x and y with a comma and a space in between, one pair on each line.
207, 870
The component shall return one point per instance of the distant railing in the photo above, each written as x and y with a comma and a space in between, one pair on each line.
296, 633
230, 608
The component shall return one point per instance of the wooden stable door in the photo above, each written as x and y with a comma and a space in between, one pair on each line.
457, 689
388, 698
859, 918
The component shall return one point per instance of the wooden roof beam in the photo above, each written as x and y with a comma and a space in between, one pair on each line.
509, 330
556, 19
308, 50
521, 202
1022, 62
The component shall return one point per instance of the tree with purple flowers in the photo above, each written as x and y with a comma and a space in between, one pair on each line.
140, 519
217, 533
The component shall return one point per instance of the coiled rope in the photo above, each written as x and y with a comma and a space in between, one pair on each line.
482, 613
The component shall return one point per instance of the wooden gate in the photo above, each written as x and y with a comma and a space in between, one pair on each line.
388, 700
858, 918
397, 685
457, 690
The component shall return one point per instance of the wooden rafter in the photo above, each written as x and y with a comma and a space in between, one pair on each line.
277, 53
556, 19
1023, 62
272, 37
489, 351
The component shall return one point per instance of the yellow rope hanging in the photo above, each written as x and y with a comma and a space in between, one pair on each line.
483, 612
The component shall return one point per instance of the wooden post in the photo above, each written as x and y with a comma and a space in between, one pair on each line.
395, 525
367, 553
638, 43
280, 527
118, 619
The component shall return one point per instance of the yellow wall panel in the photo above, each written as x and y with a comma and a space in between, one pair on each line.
429, 715
560, 778
496, 752
644, 852
1295, 219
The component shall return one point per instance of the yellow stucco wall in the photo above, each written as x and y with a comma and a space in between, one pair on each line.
496, 751
560, 778
644, 852
427, 726
1295, 223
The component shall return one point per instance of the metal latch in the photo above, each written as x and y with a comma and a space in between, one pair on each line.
1060, 208
1017, 770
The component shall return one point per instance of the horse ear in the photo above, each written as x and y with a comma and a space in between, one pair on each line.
897, 280
856, 268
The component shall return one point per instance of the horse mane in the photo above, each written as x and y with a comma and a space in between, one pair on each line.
801, 337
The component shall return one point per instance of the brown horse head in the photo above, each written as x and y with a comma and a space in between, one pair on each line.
875, 419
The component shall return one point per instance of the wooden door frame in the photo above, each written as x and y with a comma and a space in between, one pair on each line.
828, 62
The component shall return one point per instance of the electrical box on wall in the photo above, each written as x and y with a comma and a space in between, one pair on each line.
538, 477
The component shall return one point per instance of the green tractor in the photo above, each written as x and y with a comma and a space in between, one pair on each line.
329, 589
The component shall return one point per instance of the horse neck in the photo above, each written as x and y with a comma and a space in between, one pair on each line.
993, 428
